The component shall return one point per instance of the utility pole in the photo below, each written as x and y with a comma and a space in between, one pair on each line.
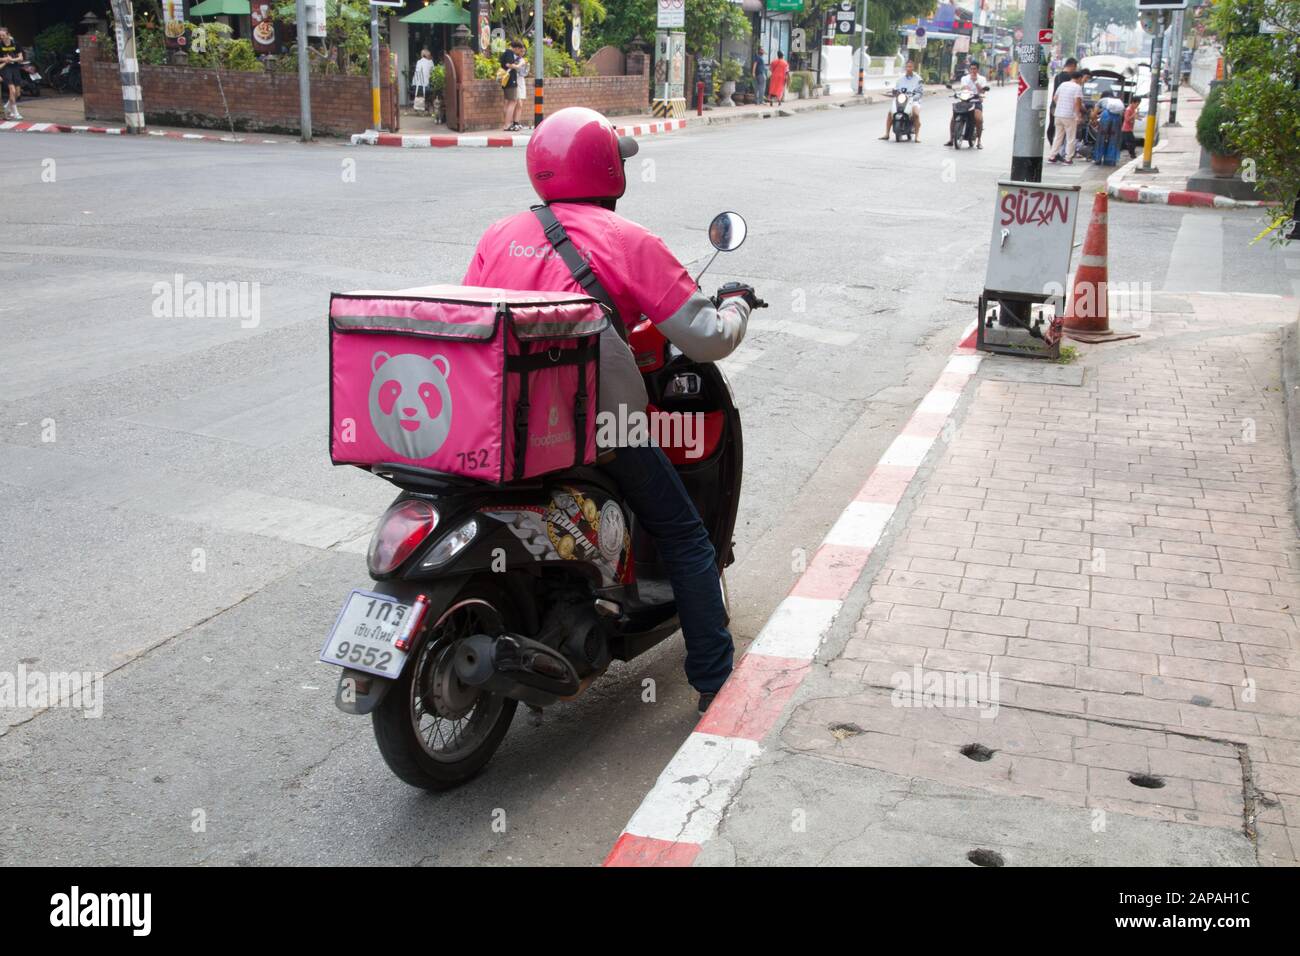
304, 72
1153, 104
1033, 98
1176, 73
862, 53
374, 67
539, 72
127, 68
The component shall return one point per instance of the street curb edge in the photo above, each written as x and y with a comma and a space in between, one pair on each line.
685, 807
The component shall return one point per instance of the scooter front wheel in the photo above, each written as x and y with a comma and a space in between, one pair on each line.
432, 730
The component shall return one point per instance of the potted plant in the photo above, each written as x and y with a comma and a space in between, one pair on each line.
729, 72
1214, 133
796, 85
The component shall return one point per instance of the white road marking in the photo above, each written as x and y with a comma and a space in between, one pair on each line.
1196, 259
687, 801
181, 498
804, 330
861, 524
741, 359
796, 628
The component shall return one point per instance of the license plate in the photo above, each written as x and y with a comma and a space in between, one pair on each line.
363, 635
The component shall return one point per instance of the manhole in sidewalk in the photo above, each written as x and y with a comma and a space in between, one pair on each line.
1146, 781
985, 858
977, 752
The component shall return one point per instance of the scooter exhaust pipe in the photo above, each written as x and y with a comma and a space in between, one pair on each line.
515, 667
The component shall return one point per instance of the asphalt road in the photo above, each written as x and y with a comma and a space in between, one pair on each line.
169, 515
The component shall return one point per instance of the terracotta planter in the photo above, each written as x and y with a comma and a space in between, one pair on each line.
1225, 167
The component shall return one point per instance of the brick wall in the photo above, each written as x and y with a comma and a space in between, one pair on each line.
480, 104
262, 102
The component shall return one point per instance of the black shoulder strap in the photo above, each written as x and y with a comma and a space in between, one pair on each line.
578, 266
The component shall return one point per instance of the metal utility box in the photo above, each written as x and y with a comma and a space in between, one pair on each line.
1029, 260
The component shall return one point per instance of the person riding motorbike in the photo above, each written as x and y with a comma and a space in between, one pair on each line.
978, 85
575, 164
910, 84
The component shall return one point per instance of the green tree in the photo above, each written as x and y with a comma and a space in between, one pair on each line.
1101, 13
707, 21
1264, 92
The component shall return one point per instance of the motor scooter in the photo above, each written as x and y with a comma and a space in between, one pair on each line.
487, 596
962, 127
902, 114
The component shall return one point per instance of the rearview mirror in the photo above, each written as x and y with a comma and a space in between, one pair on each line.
727, 231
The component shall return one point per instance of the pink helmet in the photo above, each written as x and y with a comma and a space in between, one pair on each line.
577, 154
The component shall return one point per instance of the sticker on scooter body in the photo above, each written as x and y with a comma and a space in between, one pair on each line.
366, 634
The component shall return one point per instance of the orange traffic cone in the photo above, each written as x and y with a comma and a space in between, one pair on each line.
1087, 316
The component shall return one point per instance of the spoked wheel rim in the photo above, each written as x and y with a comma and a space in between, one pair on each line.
451, 720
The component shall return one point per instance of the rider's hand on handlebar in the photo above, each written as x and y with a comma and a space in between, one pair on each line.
734, 290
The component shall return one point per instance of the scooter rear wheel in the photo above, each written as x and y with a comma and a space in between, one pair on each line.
433, 731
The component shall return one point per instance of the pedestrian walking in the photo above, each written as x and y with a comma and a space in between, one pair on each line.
1129, 141
420, 81
758, 71
11, 55
511, 60
780, 73
1002, 72
1061, 77
1067, 110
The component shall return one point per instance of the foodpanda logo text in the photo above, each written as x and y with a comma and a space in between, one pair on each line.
517, 250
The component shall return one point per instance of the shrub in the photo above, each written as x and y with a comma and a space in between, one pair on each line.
1214, 127
729, 70
55, 41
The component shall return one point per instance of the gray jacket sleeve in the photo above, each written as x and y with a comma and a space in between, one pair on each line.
706, 334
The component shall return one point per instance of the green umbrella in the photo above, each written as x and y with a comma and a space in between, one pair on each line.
217, 8
440, 11
288, 11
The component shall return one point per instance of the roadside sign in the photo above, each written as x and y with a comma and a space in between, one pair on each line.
845, 17
1021, 86
1026, 52
672, 13
1144, 5
1044, 36
388, 3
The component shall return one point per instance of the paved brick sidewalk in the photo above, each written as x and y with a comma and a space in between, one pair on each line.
1077, 641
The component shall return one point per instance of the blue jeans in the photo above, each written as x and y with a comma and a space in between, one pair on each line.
1106, 151
664, 508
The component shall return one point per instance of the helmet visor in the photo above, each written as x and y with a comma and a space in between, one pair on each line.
627, 146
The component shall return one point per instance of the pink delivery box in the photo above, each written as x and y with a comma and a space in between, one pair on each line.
493, 384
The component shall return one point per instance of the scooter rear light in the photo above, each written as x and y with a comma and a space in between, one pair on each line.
401, 530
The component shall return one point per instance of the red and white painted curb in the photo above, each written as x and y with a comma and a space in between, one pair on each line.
684, 808
483, 140
24, 126
1172, 197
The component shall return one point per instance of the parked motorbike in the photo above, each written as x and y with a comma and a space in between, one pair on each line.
64, 74
902, 122
964, 105
29, 82
487, 596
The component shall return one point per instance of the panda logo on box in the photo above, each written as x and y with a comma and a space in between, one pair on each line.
410, 403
